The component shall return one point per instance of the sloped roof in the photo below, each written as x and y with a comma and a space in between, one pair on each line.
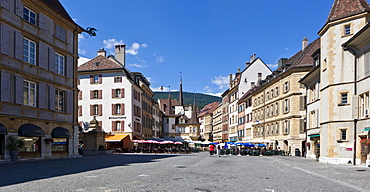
209, 108
346, 8
58, 7
304, 57
99, 63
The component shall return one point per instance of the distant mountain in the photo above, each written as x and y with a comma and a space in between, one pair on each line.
200, 99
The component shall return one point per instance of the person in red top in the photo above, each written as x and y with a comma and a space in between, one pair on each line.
211, 150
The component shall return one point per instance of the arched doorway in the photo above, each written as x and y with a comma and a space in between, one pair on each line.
3, 132
59, 144
32, 136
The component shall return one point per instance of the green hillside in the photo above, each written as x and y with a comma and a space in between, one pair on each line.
201, 99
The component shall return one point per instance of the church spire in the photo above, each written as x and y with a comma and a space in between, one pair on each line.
180, 93
194, 115
345, 8
169, 109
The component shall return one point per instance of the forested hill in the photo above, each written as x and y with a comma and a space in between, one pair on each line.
201, 99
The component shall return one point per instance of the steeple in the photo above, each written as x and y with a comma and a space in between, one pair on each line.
169, 108
180, 93
194, 115
346, 8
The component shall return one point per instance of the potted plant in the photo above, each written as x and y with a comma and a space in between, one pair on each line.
14, 144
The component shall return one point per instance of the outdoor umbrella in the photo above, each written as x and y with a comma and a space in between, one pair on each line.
260, 145
248, 144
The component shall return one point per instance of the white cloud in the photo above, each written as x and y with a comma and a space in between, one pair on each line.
207, 89
134, 49
214, 94
136, 65
286, 48
272, 66
221, 82
82, 52
160, 59
110, 43
80, 37
82, 60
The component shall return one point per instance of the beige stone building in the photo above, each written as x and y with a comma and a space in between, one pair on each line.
217, 123
206, 120
278, 111
38, 64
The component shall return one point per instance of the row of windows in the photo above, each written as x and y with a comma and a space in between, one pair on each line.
272, 110
191, 130
272, 129
98, 94
30, 96
271, 94
117, 109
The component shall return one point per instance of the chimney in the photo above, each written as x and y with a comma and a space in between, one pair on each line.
247, 64
120, 53
238, 70
231, 77
252, 58
282, 61
102, 52
253, 84
304, 43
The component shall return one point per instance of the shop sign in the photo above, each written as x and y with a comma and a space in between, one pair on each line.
348, 149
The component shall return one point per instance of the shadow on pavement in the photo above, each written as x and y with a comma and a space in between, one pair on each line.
19, 172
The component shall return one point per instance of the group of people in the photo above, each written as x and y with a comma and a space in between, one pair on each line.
212, 150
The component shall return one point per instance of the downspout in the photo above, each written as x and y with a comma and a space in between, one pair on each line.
353, 52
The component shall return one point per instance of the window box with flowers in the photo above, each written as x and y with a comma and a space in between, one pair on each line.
365, 141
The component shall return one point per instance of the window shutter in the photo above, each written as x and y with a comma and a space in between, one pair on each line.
114, 126
100, 109
69, 101
91, 94
113, 109
69, 67
42, 21
79, 95
122, 125
18, 52
317, 118
18, 89
5, 39
100, 94
100, 124
5, 4
100, 79
70, 40
43, 55
51, 97
5, 86
122, 109
91, 110
80, 110
19, 8
301, 125
302, 103
113, 93
123, 93
115, 79
42, 95
51, 59
78, 82
91, 79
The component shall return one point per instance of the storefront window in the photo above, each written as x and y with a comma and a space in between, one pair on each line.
59, 144
33, 144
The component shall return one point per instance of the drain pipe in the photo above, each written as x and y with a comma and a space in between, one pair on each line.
353, 52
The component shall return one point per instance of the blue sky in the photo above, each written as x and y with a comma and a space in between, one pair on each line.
205, 40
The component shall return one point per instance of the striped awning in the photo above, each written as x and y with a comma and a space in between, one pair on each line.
114, 138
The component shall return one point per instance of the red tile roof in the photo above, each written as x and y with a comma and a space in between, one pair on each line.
209, 108
99, 63
346, 8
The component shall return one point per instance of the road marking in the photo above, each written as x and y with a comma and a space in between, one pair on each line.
270, 190
325, 177
142, 175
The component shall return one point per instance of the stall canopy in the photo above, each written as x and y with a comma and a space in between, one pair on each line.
2, 129
60, 132
30, 130
114, 138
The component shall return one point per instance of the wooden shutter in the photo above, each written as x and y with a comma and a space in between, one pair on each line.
113, 93
5, 39
42, 21
122, 125
19, 8
70, 39
100, 94
79, 95
5, 86
100, 110
91, 79
18, 50
122, 108
42, 95
5, 4
18, 89
100, 79
51, 59
91, 110
123, 93
43, 55
69, 66
302, 103
301, 125
91, 94
79, 110
51, 97
69, 100
114, 126
113, 109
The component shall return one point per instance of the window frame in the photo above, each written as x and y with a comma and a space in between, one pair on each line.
29, 51
60, 107
28, 16
27, 95
59, 64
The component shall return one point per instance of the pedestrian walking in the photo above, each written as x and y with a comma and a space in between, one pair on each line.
211, 150
218, 150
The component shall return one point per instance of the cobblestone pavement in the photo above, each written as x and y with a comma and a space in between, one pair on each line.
185, 172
